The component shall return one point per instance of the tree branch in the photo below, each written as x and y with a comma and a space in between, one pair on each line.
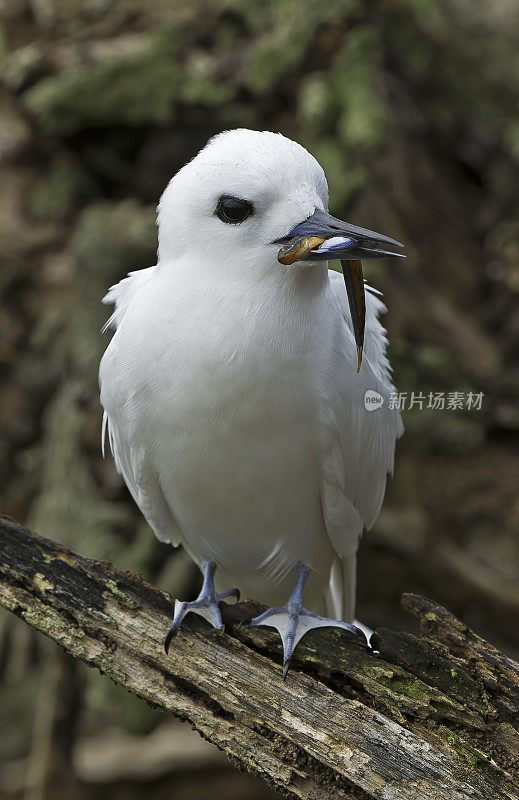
431, 716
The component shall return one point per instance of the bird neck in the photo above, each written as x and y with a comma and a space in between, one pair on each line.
247, 277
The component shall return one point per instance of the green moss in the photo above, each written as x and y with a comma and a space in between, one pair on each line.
131, 88
462, 749
112, 671
124, 600
283, 36
209, 722
128, 89
243, 743
408, 686
101, 616
469, 754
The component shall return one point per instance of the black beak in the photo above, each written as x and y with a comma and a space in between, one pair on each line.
322, 237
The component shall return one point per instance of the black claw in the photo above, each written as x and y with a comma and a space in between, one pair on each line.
229, 593
209, 600
170, 635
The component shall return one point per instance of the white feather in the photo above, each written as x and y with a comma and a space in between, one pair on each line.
233, 407
122, 294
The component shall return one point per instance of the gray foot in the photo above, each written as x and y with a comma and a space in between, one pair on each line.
206, 605
292, 621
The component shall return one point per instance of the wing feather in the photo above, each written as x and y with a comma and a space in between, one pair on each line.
131, 458
121, 295
132, 463
359, 445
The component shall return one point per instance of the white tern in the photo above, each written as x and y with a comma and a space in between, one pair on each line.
234, 387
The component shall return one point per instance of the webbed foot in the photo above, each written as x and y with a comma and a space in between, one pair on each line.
293, 620
206, 605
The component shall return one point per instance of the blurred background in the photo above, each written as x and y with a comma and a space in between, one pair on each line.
412, 108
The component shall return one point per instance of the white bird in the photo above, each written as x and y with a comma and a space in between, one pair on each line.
232, 398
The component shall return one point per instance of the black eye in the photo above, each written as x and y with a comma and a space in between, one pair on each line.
233, 210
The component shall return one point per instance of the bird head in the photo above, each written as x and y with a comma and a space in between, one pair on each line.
255, 201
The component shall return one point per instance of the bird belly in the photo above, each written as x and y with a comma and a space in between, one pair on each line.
230, 427
238, 462
244, 489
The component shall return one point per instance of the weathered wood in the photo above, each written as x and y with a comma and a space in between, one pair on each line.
432, 716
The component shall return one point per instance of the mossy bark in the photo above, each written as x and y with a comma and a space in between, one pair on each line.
432, 715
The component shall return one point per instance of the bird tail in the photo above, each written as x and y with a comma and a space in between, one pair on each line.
340, 597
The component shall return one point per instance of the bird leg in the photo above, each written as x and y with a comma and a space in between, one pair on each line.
293, 620
205, 605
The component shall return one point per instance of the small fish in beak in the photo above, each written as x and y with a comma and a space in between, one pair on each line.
297, 248
322, 237
354, 280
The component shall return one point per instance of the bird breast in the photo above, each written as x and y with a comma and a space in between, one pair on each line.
222, 390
